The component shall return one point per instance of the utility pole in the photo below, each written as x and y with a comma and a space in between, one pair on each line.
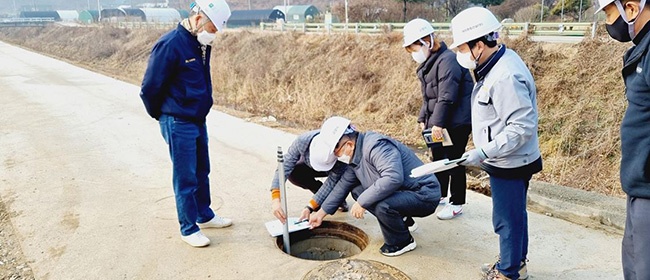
562, 16
286, 14
580, 12
249, 5
541, 12
346, 12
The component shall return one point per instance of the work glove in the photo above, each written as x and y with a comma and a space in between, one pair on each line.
474, 157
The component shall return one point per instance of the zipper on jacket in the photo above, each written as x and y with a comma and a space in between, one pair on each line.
203, 51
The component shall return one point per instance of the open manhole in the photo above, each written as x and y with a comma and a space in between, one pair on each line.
355, 269
330, 241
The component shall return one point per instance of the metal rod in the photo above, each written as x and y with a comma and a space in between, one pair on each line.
283, 201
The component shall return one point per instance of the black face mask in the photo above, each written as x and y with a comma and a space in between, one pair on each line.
619, 30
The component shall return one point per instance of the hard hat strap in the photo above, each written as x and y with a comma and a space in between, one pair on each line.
630, 23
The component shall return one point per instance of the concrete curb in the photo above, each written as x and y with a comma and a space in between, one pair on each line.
590, 209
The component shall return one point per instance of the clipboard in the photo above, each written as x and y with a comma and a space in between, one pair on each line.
275, 227
436, 166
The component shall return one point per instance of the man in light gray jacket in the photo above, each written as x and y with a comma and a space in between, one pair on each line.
378, 176
504, 130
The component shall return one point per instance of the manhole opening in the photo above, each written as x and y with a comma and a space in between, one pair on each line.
331, 241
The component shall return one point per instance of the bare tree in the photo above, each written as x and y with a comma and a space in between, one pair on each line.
454, 7
409, 1
527, 14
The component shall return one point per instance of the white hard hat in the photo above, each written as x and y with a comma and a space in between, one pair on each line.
321, 148
415, 30
217, 11
602, 4
472, 23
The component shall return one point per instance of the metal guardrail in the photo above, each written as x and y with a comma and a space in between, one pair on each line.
21, 22
534, 29
144, 25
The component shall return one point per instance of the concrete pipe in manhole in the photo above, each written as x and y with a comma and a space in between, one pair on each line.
355, 269
331, 241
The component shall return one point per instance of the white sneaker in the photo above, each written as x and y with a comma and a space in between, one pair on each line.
196, 239
216, 222
450, 211
411, 224
443, 201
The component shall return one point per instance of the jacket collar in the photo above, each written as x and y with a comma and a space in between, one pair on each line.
358, 150
639, 37
482, 70
428, 64
191, 39
641, 41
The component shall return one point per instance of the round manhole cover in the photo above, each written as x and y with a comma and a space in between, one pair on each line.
355, 270
331, 241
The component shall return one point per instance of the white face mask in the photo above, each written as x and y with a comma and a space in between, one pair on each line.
421, 55
206, 38
344, 159
465, 60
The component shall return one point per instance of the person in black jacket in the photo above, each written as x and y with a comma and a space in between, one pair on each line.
446, 91
628, 21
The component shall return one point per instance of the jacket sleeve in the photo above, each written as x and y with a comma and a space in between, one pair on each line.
159, 70
449, 79
333, 177
423, 111
387, 160
513, 106
340, 191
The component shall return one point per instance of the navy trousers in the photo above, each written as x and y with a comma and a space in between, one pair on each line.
391, 211
636, 239
510, 221
188, 149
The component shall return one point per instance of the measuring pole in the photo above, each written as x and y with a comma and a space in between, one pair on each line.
283, 201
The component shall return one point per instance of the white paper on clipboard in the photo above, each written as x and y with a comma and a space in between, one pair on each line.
436, 166
275, 227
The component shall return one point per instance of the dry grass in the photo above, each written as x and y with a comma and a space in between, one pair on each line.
302, 79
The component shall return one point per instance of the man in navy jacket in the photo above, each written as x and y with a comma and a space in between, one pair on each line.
628, 21
177, 91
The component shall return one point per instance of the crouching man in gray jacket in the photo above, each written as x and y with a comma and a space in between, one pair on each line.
378, 177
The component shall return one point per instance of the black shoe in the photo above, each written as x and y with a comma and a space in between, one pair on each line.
344, 207
396, 250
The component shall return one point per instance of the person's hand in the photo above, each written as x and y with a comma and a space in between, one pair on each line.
304, 215
474, 157
421, 125
316, 219
357, 211
436, 132
277, 210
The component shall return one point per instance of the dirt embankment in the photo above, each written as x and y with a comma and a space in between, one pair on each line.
301, 79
